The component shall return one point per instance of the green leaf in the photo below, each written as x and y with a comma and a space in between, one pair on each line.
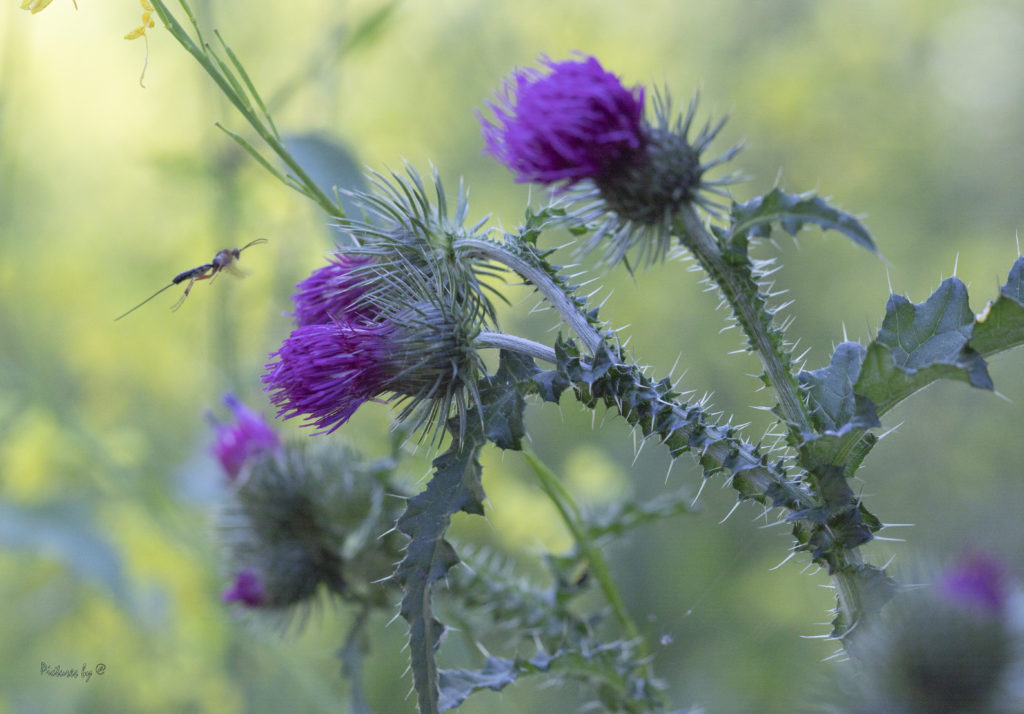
633, 514
457, 684
1001, 326
610, 666
834, 406
503, 400
65, 532
919, 343
332, 166
791, 211
456, 486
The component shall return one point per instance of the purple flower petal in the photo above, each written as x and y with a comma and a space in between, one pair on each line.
236, 442
976, 582
570, 124
247, 589
333, 292
325, 372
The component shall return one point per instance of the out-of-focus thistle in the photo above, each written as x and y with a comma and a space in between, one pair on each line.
305, 517
239, 442
946, 648
578, 126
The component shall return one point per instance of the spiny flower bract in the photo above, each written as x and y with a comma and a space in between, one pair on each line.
636, 209
312, 518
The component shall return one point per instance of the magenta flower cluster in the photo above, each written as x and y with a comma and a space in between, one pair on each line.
575, 122
339, 356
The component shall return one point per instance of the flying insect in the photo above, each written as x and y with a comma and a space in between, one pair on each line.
224, 260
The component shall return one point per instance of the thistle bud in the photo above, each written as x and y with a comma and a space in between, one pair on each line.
945, 648
309, 519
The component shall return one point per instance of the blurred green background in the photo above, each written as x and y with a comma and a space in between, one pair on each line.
910, 112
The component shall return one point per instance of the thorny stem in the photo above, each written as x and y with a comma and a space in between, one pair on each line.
708, 253
778, 367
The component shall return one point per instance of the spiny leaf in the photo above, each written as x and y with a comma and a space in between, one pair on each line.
609, 664
456, 486
791, 211
1001, 326
633, 514
504, 402
919, 343
457, 684
488, 589
834, 406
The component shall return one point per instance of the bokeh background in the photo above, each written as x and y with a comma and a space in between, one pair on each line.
909, 112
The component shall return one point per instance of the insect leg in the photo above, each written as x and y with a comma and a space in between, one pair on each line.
184, 295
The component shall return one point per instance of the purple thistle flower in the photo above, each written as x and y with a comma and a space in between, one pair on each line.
976, 582
327, 371
574, 123
235, 443
334, 292
247, 589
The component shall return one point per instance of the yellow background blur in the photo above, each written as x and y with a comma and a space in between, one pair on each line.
908, 111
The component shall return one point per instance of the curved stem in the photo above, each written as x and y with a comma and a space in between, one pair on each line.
742, 293
545, 284
513, 343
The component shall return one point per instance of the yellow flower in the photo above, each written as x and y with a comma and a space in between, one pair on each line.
37, 5
147, 20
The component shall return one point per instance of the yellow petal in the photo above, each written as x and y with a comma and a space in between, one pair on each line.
35, 5
136, 33
146, 6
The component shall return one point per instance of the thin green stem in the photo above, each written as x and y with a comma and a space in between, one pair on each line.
351, 656
234, 89
570, 514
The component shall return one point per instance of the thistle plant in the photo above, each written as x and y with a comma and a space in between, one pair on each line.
404, 312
